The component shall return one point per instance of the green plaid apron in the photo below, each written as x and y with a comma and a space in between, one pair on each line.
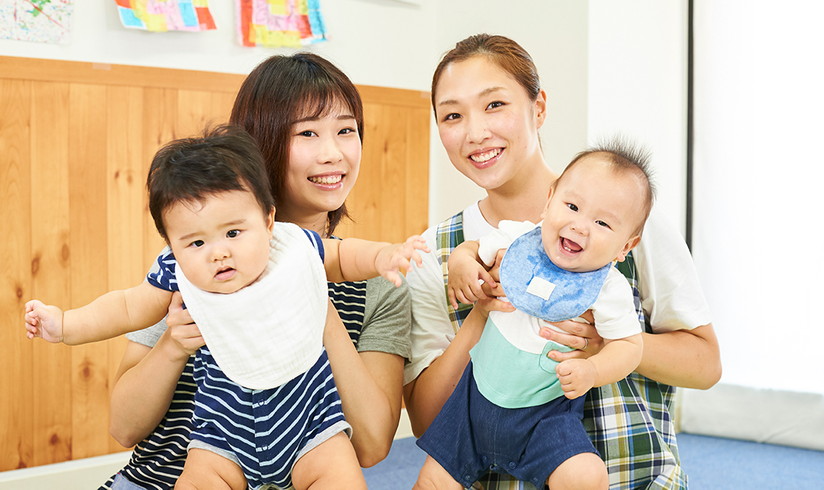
629, 421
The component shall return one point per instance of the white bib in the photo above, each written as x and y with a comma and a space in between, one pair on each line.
272, 330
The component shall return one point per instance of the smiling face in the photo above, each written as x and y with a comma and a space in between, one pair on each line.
487, 122
324, 161
593, 215
222, 241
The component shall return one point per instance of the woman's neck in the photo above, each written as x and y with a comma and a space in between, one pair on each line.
317, 222
522, 198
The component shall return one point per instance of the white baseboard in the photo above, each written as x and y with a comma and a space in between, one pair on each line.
87, 473
404, 426
739, 412
80, 474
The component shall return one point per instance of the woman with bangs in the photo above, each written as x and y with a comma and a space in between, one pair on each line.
307, 118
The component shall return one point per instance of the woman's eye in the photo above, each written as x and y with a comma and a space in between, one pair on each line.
232, 233
197, 243
602, 223
451, 116
495, 105
307, 133
572, 206
347, 131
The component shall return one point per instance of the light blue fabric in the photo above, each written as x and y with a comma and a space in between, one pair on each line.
494, 361
574, 292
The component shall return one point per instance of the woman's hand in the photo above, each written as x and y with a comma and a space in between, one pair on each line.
182, 329
577, 335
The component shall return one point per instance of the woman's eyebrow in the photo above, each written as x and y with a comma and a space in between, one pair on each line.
482, 93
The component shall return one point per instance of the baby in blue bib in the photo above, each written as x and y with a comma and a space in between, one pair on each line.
515, 410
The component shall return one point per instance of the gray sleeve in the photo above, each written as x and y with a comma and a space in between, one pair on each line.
148, 336
387, 318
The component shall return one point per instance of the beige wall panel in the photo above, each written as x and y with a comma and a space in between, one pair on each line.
50, 232
17, 359
90, 267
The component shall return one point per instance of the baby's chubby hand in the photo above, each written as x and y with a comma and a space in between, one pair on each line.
45, 321
394, 260
577, 376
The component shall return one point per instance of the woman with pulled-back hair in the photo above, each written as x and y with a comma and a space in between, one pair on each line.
489, 106
307, 118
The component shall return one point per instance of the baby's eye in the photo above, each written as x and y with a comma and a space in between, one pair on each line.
197, 243
232, 233
495, 105
602, 223
572, 207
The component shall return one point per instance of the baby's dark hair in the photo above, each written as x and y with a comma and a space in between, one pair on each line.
625, 156
224, 159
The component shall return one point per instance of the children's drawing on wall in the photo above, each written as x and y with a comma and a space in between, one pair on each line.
275, 23
39, 21
166, 15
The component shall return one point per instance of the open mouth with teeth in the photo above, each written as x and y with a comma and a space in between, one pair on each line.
225, 273
485, 157
570, 246
328, 180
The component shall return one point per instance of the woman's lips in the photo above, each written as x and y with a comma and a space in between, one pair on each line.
485, 158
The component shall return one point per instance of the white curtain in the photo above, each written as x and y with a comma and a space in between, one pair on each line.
759, 187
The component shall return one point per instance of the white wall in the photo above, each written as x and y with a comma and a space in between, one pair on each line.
554, 33
638, 86
364, 42
759, 173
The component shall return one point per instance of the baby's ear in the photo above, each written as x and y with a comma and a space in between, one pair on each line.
631, 243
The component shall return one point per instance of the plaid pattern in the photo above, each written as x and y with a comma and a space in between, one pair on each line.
629, 421
449, 235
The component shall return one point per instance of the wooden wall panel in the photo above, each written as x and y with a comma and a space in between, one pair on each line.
50, 265
17, 359
89, 269
76, 140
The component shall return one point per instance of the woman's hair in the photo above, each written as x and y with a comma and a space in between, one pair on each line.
278, 92
505, 52
224, 159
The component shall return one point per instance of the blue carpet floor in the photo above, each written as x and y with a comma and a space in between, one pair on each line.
711, 463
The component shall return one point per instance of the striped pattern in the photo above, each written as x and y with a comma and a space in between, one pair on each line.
629, 422
158, 460
349, 298
267, 430
162, 276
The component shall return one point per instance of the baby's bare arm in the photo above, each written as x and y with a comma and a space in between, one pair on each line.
615, 361
465, 272
353, 259
116, 313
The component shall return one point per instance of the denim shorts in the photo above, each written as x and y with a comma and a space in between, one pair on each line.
471, 436
122, 483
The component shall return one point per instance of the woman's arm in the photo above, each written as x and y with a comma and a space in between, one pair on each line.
147, 377
426, 394
369, 385
687, 358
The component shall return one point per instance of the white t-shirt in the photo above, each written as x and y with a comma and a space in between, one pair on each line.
671, 295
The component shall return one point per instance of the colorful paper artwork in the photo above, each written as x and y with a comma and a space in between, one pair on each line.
275, 23
40, 21
166, 15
